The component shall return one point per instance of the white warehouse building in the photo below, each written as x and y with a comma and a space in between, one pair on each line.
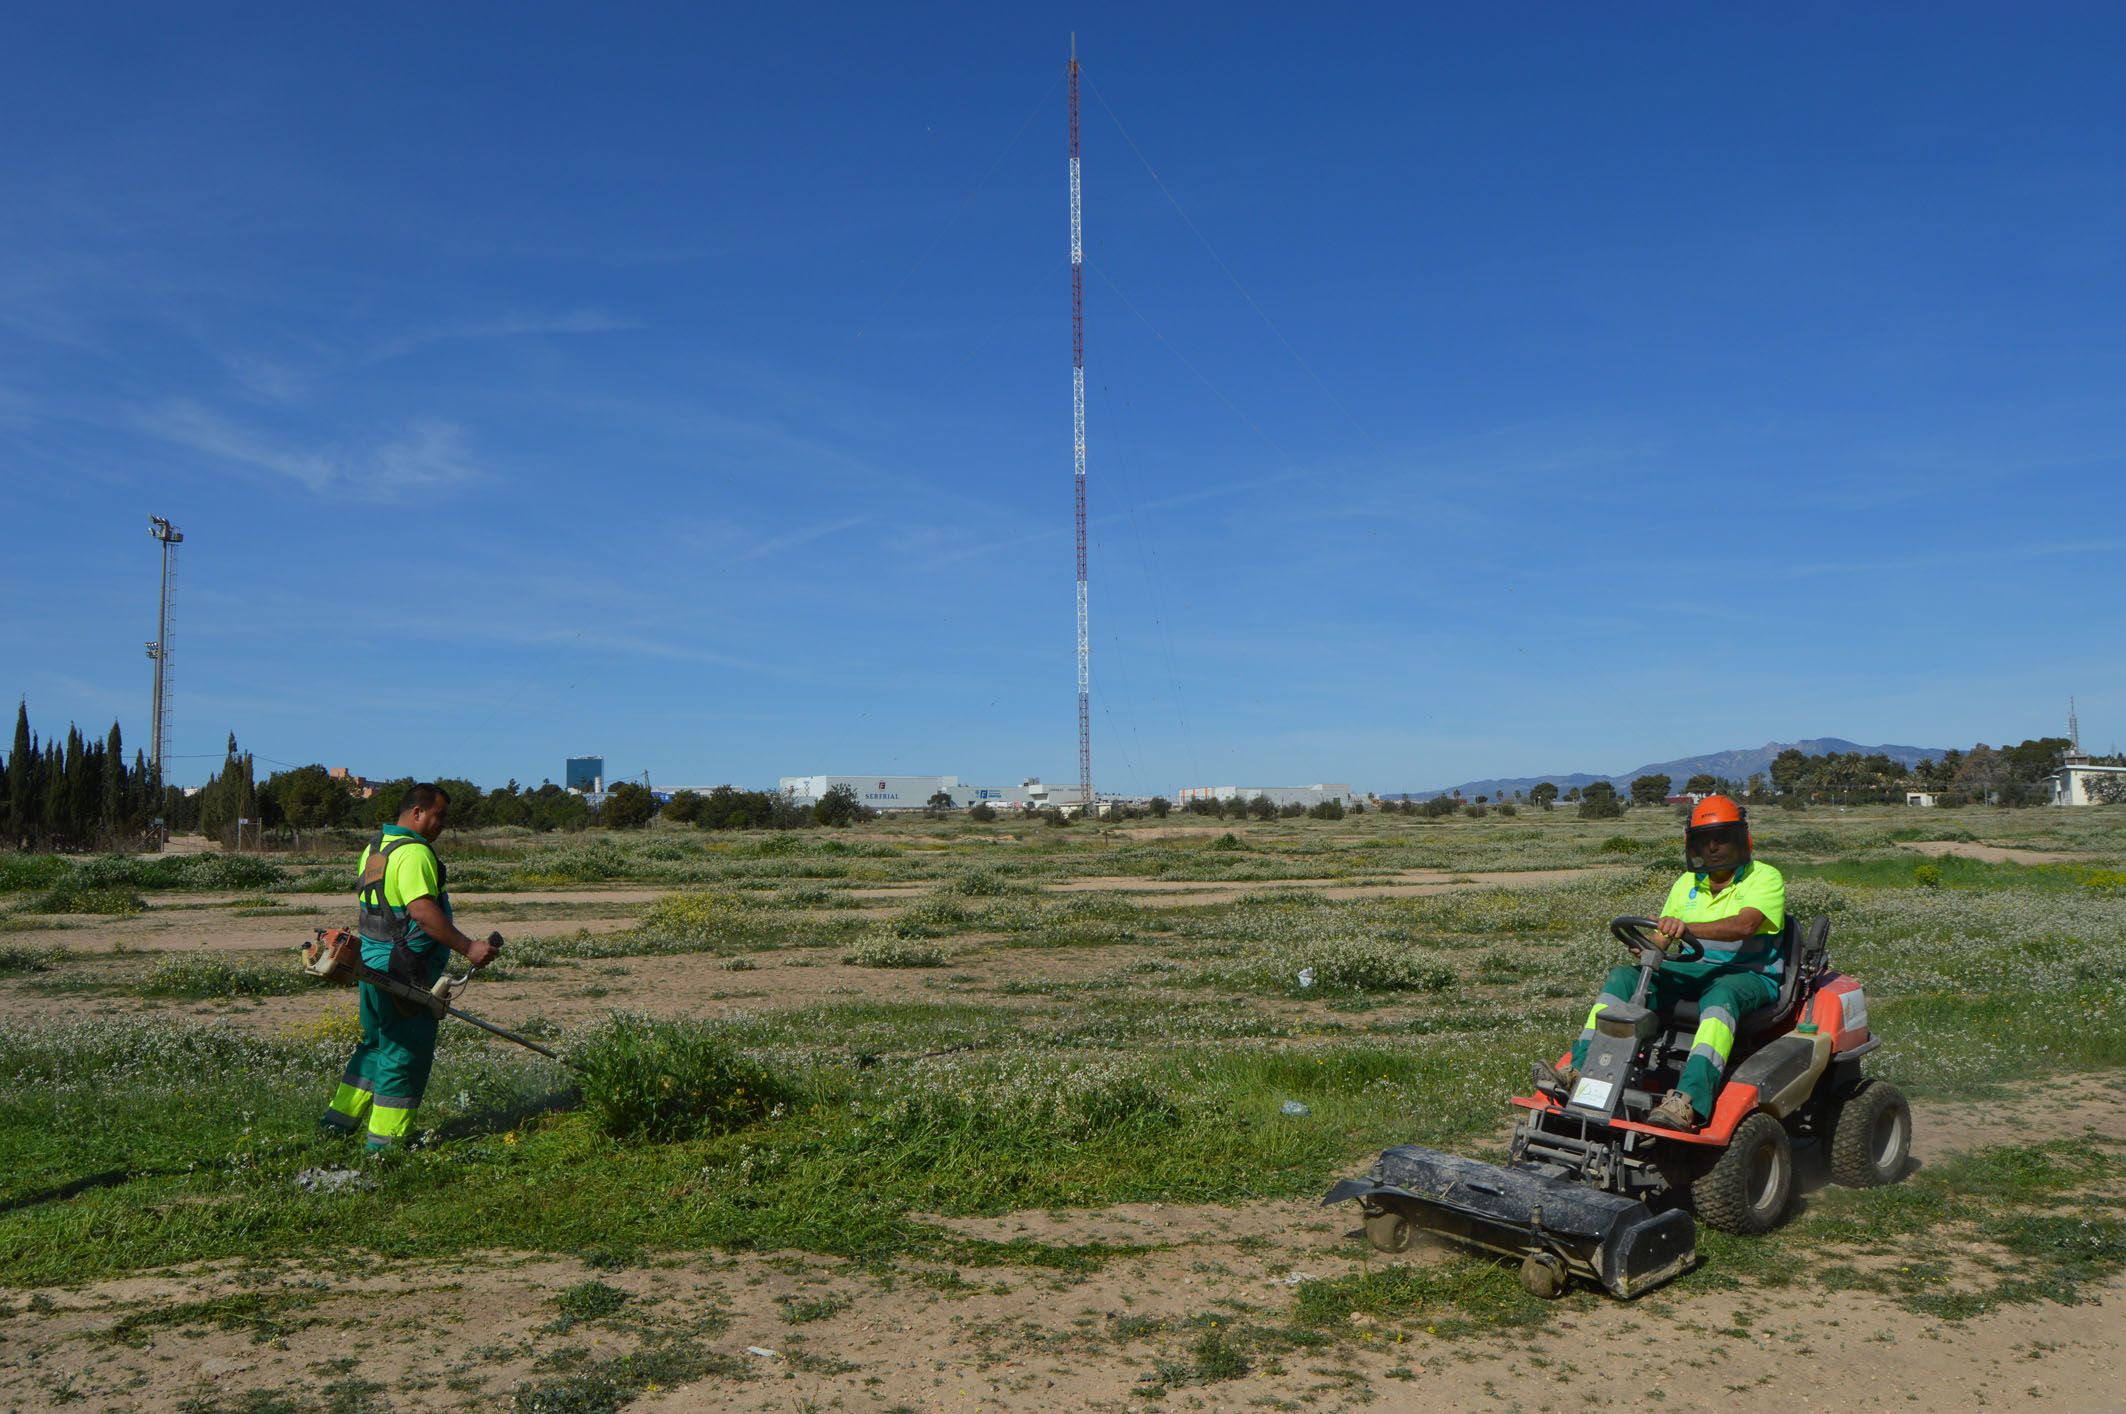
1279, 795
914, 792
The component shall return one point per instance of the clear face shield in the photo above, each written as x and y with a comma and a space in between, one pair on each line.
1722, 846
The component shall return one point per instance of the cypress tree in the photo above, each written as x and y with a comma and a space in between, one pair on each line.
51, 826
84, 787
143, 793
114, 783
21, 767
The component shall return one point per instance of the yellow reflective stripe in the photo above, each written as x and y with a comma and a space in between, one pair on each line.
350, 1101
1714, 1035
389, 1122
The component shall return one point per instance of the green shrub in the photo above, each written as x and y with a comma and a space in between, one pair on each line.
667, 1080
202, 976
181, 871
20, 873
1927, 876
14, 958
1622, 844
981, 883
886, 950
588, 1300
930, 918
702, 921
1228, 841
73, 896
1216, 1358
1359, 964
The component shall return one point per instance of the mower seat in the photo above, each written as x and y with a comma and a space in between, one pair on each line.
1794, 962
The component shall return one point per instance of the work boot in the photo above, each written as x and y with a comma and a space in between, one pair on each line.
1674, 1112
1553, 1079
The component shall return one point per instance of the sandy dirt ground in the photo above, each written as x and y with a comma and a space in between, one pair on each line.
1995, 853
695, 986
470, 1333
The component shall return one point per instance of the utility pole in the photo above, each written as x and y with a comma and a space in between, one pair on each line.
1077, 419
159, 649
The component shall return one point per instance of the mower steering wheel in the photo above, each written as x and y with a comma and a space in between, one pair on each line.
1640, 935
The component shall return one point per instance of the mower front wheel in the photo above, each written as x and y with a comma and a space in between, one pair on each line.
1388, 1230
1871, 1139
1543, 1274
1747, 1188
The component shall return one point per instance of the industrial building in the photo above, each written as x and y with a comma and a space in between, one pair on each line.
584, 773
2080, 781
1308, 796
913, 792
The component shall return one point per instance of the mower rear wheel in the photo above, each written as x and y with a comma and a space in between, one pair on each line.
1544, 1275
1871, 1139
1388, 1230
1747, 1187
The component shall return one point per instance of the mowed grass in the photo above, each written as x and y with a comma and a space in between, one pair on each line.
1159, 1070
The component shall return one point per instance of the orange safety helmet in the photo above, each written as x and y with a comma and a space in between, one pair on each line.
1715, 817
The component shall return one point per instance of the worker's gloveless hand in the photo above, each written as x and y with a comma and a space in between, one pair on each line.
484, 950
1671, 928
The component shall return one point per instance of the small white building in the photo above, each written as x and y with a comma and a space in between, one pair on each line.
1919, 797
2071, 783
1279, 795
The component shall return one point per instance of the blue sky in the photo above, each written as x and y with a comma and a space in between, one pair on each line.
1475, 391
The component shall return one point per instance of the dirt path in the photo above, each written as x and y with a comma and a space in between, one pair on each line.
1996, 853
933, 1338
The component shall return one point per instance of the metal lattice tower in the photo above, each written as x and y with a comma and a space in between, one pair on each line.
159, 649
1077, 427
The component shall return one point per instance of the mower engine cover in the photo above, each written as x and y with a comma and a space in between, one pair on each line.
333, 955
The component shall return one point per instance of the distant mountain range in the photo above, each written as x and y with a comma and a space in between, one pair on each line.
1736, 765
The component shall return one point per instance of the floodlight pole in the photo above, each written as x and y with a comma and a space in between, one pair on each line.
159, 649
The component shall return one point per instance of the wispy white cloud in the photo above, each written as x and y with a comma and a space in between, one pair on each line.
509, 326
430, 454
804, 535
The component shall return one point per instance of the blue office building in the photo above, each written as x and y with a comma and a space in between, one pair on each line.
585, 773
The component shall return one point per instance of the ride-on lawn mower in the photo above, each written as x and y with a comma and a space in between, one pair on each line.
1591, 1190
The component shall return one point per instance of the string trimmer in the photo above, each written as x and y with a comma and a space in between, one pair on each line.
335, 955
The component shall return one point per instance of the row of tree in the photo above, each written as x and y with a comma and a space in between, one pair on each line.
80, 793
1984, 775
75, 792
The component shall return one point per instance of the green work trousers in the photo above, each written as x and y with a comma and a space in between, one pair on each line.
388, 1072
1724, 997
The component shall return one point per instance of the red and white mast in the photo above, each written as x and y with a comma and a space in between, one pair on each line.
1077, 425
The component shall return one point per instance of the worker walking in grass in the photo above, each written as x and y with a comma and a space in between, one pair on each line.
406, 929
1736, 907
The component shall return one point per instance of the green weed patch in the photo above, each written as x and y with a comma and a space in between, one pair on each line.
75, 896
266, 1316
206, 976
888, 950
666, 1080
16, 960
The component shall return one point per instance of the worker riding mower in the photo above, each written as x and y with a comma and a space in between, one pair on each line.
1591, 1190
